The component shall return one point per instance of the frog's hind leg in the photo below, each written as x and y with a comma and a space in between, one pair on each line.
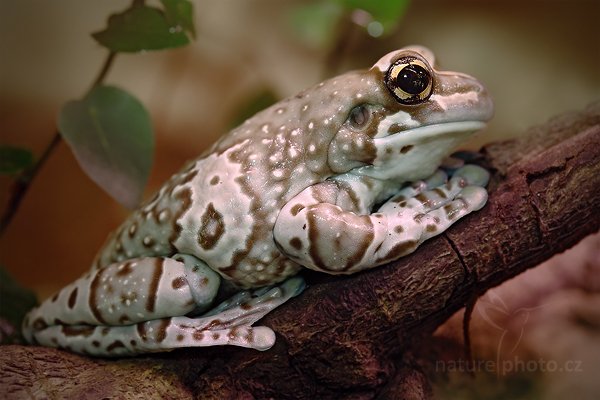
123, 293
228, 324
140, 305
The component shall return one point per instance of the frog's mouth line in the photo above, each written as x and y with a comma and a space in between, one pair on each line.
427, 131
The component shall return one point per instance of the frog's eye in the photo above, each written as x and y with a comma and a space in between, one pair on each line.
359, 116
409, 80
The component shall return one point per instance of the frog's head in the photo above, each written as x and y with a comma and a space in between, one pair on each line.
403, 116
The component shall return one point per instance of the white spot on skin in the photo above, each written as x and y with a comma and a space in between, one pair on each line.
147, 240
312, 148
305, 107
163, 216
279, 111
296, 132
265, 128
311, 125
358, 95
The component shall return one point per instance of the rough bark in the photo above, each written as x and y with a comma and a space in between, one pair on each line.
354, 337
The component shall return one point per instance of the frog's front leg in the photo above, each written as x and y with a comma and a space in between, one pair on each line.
140, 306
317, 230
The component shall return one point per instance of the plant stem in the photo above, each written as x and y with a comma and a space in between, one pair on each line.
25, 178
346, 33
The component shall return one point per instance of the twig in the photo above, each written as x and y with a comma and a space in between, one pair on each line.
345, 33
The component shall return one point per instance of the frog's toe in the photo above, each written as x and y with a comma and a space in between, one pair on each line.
438, 178
469, 199
294, 286
473, 175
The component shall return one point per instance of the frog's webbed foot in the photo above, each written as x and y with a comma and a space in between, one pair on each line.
229, 323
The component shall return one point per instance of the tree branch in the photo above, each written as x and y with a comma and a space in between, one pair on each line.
357, 335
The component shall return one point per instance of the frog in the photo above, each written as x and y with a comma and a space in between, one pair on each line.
340, 178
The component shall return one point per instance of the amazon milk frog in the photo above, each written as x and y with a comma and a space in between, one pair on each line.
340, 178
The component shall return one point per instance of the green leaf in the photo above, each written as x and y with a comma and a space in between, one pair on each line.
14, 159
110, 134
141, 28
255, 103
15, 302
180, 13
387, 13
315, 23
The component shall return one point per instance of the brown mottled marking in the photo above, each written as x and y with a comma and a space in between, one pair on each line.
449, 211
212, 227
418, 218
153, 289
72, 298
399, 229
203, 281
317, 232
198, 335
133, 342
55, 341
142, 330
185, 197
55, 297
406, 149
389, 150
403, 203
296, 209
125, 269
215, 336
180, 338
131, 297
233, 333
96, 343
440, 192
245, 306
398, 250
114, 345
161, 333
213, 323
58, 321
394, 128
85, 330
431, 228
92, 300
105, 331
296, 243
215, 180
423, 199
124, 319
178, 282
39, 324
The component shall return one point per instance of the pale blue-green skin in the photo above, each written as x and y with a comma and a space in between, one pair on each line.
294, 186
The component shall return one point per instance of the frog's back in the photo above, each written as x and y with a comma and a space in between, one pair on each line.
222, 207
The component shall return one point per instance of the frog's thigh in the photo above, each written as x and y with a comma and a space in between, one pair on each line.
124, 293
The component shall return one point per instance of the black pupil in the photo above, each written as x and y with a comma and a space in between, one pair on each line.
413, 79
